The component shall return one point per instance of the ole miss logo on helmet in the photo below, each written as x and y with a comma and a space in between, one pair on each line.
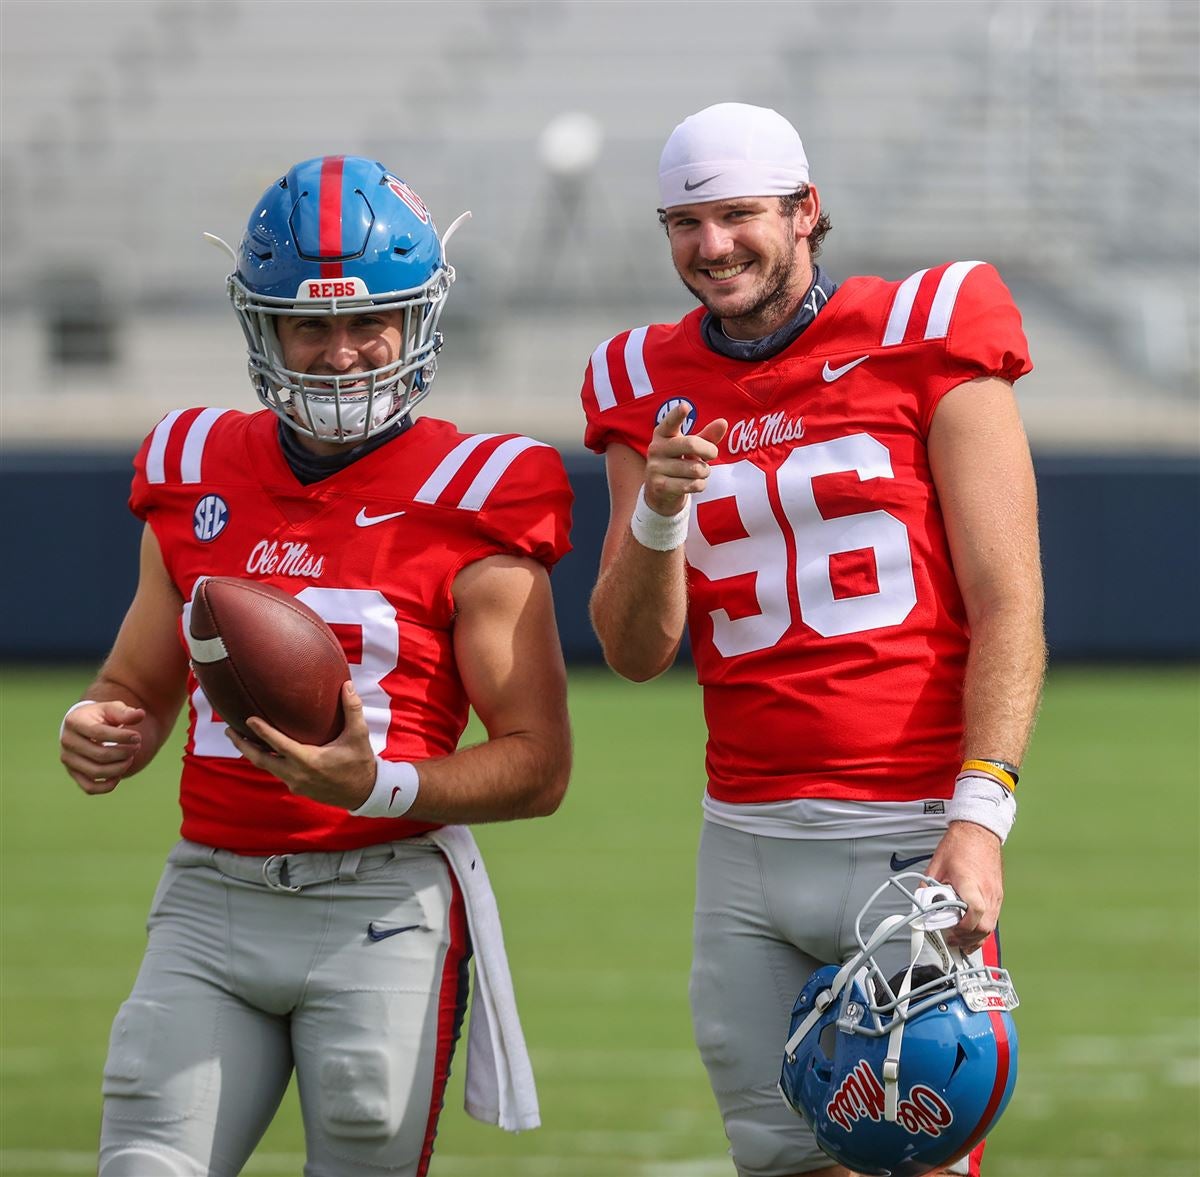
401, 189
861, 1096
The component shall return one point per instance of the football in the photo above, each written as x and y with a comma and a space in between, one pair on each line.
257, 650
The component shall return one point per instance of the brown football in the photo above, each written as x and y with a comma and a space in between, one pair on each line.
256, 650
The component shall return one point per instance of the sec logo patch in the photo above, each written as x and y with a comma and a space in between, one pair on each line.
209, 518
689, 422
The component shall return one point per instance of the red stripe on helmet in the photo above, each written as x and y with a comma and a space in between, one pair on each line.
1002, 1064
990, 951
330, 225
974, 1143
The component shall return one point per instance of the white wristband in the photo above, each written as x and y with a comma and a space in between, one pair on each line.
984, 801
660, 533
396, 785
62, 727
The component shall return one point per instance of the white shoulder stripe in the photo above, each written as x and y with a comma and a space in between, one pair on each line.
493, 470
944, 299
449, 466
156, 470
902, 306
190, 462
601, 382
635, 362
193, 444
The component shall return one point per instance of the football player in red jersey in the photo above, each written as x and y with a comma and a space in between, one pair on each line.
319, 914
830, 486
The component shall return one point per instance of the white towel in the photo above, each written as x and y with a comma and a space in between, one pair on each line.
499, 1086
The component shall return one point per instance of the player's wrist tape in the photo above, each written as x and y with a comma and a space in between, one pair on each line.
999, 770
396, 785
62, 727
980, 798
660, 533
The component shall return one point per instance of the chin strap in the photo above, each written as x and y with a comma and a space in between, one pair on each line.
220, 243
458, 220
926, 927
827, 997
891, 1062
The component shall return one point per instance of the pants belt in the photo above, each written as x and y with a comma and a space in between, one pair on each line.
294, 872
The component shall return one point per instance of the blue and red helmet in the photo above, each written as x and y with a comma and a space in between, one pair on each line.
899, 1076
341, 235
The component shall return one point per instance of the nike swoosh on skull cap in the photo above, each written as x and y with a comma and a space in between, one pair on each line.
688, 186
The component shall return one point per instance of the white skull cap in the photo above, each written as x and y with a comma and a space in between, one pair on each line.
731, 150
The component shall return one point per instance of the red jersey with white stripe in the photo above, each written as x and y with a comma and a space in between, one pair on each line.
374, 549
826, 624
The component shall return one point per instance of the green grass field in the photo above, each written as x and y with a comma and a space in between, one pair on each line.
1101, 935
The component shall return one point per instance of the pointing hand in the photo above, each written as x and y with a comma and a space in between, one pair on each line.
677, 463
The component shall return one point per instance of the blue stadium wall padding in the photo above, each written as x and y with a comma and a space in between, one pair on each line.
1120, 543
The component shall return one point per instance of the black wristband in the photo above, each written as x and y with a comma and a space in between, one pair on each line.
1011, 769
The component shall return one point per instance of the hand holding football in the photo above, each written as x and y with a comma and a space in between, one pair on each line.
257, 650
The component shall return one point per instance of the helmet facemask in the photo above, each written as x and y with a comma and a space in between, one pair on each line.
352, 407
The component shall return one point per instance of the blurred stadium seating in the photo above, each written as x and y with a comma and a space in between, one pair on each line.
1056, 138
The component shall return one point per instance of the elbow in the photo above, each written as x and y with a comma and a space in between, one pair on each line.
553, 786
636, 673
638, 665
548, 800
637, 651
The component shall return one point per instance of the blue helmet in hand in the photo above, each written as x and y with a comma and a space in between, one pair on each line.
898, 1075
341, 235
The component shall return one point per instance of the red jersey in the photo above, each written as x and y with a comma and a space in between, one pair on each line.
374, 549
826, 623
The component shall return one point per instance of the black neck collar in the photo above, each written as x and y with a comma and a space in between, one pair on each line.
309, 467
818, 294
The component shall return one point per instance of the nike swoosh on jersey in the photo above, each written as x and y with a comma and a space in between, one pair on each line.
688, 186
899, 864
362, 519
376, 933
831, 374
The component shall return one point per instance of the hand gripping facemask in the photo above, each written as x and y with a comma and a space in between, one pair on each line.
900, 1075
341, 235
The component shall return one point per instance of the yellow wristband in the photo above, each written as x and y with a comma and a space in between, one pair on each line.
990, 768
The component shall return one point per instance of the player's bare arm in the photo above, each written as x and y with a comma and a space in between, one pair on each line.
639, 605
139, 689
507, 651
981, 466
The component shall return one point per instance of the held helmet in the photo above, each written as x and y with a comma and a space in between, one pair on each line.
341, 235
900, 1076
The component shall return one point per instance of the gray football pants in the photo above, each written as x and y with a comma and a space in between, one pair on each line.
348, 968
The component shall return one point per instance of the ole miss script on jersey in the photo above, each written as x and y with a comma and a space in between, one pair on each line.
374, 549
826, 624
